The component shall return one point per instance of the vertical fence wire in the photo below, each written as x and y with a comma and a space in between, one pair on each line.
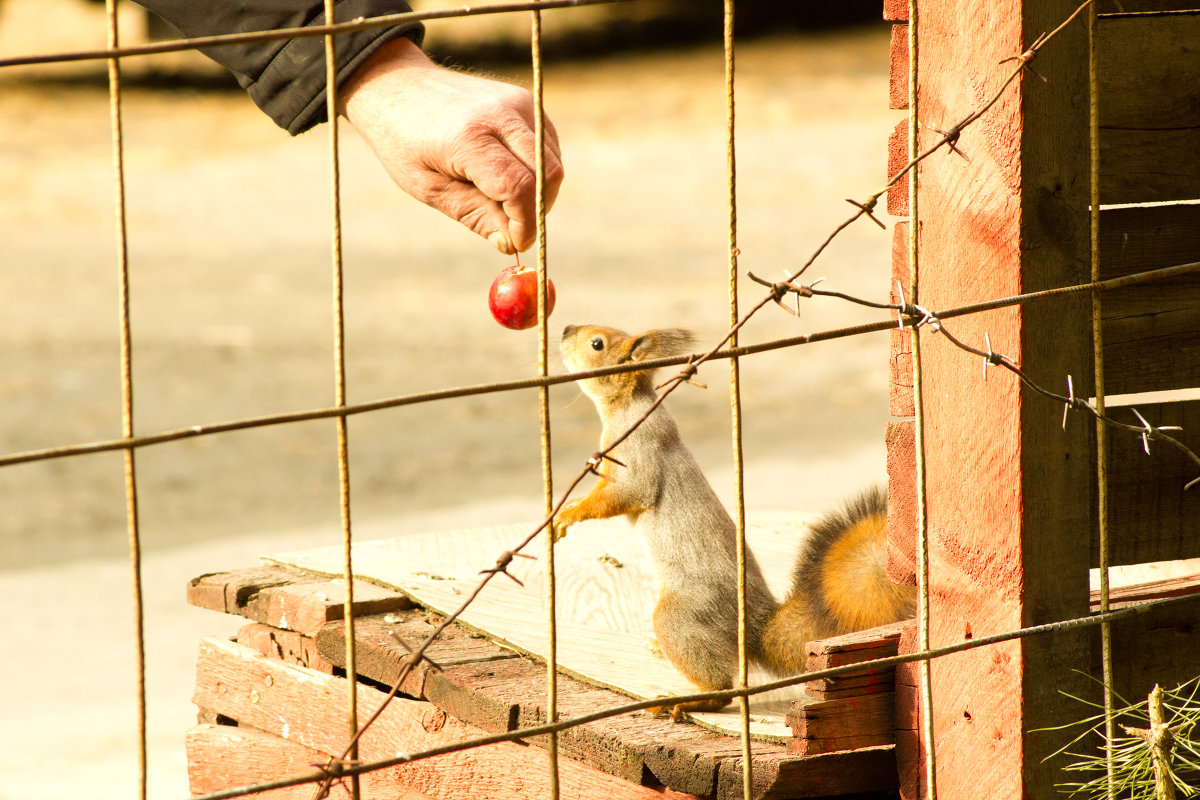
339, 368
914, 227
735, 397
127, 429
1098, 373
551, 595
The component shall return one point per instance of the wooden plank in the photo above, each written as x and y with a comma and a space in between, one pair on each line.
287, 598
1003, 479
1150, 329
1155, 519
895, 10
1151, 590
1149, 118
900, 378
307, 707
845, 724
902, 502
291, 647
479, 685
871, 770
897, 194
855, 647
1152, 516
384, 643
1112, 7
224, 757
898, 70
856, 686
1155, 647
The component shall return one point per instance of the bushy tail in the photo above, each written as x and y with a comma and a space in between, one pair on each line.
839, 584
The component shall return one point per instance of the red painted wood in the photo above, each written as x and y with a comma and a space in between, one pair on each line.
898, 69
225, 757
900, 399
307, 707
1006, 216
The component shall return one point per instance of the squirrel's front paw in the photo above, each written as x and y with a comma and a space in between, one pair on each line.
563, 520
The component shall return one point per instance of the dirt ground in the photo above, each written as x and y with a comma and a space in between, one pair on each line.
229, 250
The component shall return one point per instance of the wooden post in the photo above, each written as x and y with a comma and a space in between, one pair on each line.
1008, 496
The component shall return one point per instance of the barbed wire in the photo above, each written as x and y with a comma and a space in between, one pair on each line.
911, 315
691, 363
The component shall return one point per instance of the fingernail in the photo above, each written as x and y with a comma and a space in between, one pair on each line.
501, 242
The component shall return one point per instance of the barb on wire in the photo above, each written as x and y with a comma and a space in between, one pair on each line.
1147, 431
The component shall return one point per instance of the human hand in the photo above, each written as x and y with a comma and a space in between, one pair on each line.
458, 143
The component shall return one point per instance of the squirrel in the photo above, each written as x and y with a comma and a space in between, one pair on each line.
839, 580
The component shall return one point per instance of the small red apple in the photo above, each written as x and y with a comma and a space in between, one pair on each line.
513, 297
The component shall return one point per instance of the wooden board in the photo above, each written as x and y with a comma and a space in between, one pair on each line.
307, 708
1151, 332
289, 600
1149, 118
606, 591
1151, 516
225, 757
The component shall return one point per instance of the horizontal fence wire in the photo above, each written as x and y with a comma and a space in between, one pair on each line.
908, 315
309, 415
310, 31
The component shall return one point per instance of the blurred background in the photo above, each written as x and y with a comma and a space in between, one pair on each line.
229, 252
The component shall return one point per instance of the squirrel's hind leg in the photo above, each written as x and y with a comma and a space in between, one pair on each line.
698, 647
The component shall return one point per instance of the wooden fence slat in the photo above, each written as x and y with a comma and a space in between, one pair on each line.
1150, 514
1152, 331
812, 776
1149, 115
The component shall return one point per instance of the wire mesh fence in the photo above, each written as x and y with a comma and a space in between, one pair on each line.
906, 314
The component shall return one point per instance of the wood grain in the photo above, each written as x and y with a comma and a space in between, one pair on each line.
306, 707
288, 646
1152, 331
286, 598
1151, 515
1149, 113
1005, 217
225, 757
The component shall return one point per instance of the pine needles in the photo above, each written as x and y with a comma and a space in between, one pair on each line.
1160, 746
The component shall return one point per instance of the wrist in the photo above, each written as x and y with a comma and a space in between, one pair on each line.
393, 57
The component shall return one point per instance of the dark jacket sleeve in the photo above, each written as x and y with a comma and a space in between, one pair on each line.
285, 77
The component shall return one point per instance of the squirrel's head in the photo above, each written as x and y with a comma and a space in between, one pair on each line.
588, 347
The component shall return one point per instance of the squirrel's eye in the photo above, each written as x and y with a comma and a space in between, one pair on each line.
597, 343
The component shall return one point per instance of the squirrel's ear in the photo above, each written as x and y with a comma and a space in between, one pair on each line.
659, 344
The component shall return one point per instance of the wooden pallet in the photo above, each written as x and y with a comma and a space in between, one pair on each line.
273, 704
